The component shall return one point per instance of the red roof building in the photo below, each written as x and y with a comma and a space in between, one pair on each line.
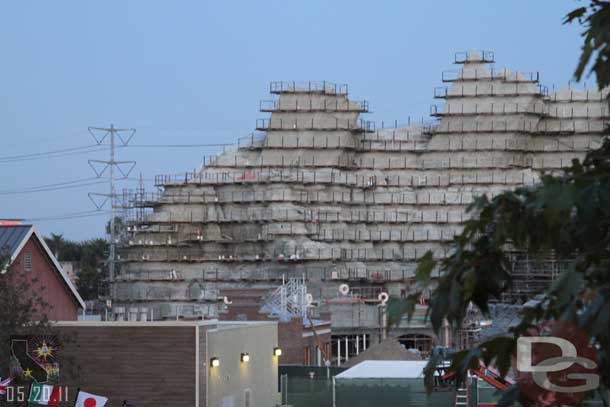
31, 257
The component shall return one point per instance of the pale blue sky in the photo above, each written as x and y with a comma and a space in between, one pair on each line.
194, 71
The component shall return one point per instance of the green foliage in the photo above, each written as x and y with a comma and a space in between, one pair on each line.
596, 46
397, 307
22, 309
567, 216
89, 256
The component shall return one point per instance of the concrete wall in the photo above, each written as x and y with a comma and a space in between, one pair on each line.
228, 382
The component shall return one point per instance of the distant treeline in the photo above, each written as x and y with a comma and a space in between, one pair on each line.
89, 258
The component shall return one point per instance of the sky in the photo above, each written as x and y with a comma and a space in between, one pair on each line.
193, 72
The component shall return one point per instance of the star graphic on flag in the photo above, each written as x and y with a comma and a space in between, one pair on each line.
28, 373
44, 351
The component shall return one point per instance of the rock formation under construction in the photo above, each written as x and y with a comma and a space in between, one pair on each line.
320, 193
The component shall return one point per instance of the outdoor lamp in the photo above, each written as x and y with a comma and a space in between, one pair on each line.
245, 357
215, 362
277, 351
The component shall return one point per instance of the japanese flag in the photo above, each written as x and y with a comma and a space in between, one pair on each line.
85, 399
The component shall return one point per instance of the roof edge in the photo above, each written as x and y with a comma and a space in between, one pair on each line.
49, 253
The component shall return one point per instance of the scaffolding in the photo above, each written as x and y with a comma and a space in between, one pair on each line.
319, 194
288, 301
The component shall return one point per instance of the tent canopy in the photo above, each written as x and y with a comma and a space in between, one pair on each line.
385, 369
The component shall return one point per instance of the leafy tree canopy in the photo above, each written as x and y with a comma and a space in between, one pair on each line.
22, 309
566, 215
89, 257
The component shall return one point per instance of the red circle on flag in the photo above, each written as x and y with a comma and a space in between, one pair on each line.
90, 402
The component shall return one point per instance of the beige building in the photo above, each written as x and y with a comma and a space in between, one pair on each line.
236, 383
170, 362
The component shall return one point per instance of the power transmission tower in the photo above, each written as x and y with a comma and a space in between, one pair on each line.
111, 135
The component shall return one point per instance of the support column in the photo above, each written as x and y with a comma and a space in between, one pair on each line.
364, 342
357, 344
346, 348
338, 351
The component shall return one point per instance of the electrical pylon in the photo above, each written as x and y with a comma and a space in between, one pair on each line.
123, 136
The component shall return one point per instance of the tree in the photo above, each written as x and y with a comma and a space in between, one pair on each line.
596, 19
22, 309
89, 256
22, 315
568, 215
57, 241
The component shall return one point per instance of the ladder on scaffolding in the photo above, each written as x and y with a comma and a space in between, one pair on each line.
287, 301
290, 300
462, 398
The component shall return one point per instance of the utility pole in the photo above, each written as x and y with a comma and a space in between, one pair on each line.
124, 168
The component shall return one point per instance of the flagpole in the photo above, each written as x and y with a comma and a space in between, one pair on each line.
27, 400
76, 396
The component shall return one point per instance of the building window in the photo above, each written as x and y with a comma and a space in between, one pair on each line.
247, 398
27, 262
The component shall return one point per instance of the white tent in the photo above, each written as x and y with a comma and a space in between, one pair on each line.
396, 383
385, 369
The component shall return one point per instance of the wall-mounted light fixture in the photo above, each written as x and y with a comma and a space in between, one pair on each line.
277, 351
245, 357
214, 362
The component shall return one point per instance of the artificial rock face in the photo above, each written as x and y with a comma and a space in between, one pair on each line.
320, 193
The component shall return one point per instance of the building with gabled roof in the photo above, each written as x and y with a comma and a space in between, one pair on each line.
29, 256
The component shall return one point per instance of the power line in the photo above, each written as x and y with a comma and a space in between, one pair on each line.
94, 148
75, 181
49, 188
64, 185
73, 215
38, 156
63, 150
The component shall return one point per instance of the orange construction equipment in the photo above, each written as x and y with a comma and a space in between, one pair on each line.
489, 374
319, 343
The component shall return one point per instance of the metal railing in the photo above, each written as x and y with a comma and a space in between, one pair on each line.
318, 105
308, 87
502, 108
542, 109
268, 124
299, 141
401, 236
351, 179
268, 215
279, 256
481, 57
490, 90
207, 275
579, 95
547, 126
489, 74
